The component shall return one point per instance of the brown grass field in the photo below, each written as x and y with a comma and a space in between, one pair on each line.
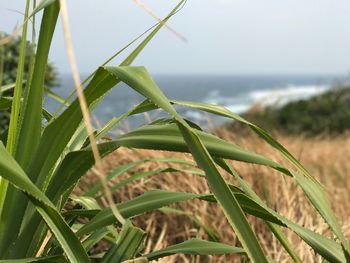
326, 158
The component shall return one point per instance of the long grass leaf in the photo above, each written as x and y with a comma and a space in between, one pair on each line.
227, 200
322, 204
15, 109
128, 244
138, 79
195, 247
48, 259
94, 238
9, 86
155, 28
16, 103
11, 171
30, 131
43, 4
144, 203
74, 165
72, 116
322, 245
168, 137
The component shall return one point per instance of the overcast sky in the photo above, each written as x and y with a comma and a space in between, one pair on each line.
224, 36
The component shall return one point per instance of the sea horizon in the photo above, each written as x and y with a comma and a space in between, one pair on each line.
236, 92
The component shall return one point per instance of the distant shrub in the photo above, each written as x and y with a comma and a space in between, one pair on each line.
327, 113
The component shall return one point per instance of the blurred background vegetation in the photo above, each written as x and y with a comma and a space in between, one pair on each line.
324, 114
10, 56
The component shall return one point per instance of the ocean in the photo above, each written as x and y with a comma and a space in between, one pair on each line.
237, 93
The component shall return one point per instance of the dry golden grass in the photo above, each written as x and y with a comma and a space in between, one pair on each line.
326, 158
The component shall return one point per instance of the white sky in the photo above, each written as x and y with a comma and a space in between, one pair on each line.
224, 36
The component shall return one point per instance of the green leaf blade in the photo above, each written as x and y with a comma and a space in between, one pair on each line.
195, 247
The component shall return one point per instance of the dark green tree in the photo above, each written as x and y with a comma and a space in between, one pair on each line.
10, 58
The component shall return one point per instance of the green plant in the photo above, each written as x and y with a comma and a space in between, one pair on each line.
327, 113
41, 165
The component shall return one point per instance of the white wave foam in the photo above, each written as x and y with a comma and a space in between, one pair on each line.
195, 115
266, 97
238, 108
283, 96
